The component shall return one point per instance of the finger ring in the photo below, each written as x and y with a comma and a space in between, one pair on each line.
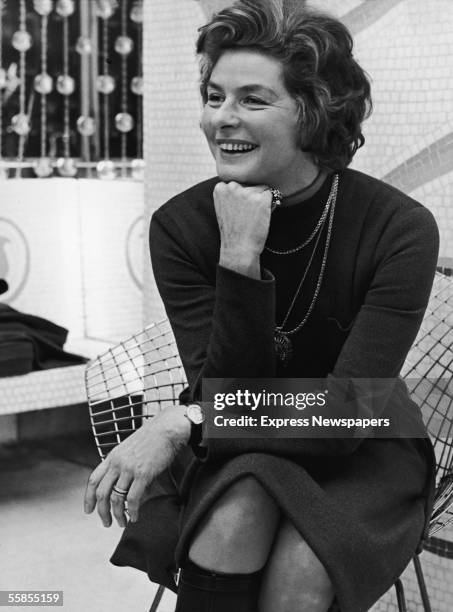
276, 198
122, 492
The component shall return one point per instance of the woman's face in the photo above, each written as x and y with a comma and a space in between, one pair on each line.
250, 122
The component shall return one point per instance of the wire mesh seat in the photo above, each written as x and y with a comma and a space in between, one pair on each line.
143, 374
131, 382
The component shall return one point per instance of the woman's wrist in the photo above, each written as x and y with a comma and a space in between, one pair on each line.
243, 262
177, 425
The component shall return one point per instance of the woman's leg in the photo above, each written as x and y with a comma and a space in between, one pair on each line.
229, 549
294, 578
237, 534
244, 530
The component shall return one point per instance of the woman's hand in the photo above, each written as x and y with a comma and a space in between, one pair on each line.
134, 464
243, 215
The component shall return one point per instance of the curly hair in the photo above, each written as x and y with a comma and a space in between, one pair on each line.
331, 89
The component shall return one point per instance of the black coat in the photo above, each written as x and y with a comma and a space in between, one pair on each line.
29, 343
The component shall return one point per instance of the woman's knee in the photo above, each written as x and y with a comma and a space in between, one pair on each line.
294, 576
245, 506
239, 529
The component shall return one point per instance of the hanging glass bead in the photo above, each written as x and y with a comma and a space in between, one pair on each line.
105, 84
105, 8
86, 125
43, 167
20, 124
21, 41
66, 166
137, 86
65, 85
43, 83
3, 78
138, 169
136, 14
106, 169
42, 7
84, 46
124, 122
65, 8
124, 45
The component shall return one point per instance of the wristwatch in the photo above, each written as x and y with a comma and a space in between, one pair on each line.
196, 416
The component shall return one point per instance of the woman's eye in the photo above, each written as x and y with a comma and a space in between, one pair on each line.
254, 100
214, 99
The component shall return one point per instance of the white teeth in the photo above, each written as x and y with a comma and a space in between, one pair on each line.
228, 146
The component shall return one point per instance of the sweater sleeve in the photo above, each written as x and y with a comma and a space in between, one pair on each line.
390, 317
222, 331
227, 330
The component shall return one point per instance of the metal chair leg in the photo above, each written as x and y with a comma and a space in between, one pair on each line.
157, 598
400, 596
421, 584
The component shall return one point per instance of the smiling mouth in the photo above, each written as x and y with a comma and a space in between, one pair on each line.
236, 149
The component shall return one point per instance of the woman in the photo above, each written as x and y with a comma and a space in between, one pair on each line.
287, 264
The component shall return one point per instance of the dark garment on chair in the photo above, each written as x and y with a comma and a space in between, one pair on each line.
29, 343
146, 548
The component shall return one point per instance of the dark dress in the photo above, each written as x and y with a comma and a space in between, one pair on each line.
361, 504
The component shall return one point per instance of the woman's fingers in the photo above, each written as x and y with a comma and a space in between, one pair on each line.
119, 500
133, 465
103, 495
93, 482
99, 492
135, 496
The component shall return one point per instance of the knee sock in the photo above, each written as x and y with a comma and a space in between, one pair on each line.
201, 590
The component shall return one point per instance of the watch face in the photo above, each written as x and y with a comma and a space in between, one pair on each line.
195, 414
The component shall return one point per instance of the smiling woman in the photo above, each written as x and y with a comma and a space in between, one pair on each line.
330, 284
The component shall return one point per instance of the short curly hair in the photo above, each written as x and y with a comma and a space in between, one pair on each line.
315, 49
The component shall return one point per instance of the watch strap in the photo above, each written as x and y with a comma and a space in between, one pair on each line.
196, 434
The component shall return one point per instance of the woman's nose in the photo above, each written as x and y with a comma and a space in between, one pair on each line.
226, 115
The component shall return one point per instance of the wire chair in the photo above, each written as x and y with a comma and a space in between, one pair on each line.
143, 374
428, 372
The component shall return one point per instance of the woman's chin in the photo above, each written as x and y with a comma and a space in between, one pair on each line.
237, 175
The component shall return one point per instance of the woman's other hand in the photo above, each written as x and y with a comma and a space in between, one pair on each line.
243, 215
134, 464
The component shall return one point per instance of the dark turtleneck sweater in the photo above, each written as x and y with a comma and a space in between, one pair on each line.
380, 267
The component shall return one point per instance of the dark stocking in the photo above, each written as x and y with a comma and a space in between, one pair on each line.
201, 590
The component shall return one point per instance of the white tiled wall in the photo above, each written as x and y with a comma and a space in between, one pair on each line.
40, 221
71, 251
175, 152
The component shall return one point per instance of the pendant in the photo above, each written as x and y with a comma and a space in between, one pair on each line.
283, 346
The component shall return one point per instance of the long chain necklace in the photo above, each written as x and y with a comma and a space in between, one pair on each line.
283, 344
320, 222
